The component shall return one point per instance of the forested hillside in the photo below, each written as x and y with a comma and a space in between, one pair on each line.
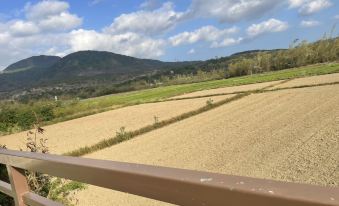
77, 70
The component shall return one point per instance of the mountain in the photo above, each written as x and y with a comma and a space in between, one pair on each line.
79, 68
97, 63
33, 62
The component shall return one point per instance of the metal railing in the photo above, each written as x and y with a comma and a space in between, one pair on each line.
176, 186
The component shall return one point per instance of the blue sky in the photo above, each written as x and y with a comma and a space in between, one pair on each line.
165, 30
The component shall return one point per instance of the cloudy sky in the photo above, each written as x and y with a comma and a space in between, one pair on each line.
165, 30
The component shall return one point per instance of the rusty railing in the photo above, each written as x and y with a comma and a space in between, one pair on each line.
176, 186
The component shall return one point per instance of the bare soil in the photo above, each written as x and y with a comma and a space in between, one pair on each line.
289, 135
66, 136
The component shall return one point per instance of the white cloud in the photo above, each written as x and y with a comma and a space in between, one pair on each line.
49, 29
146, 22
309, 23
45, 9
14, 48
128, 43
227, 42
22, 28
206, 33
56, 51
296, 3
308, 7
271, 25
232, 10
61, 22
4, 38
191, 51
336, 16
42, 18
45, 27
314, 6
52, 15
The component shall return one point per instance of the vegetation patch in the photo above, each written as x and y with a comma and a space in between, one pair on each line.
56, 189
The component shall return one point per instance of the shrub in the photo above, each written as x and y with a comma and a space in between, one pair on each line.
25, 119
8, 119
44, 185
63, 191
46, 113
53, 188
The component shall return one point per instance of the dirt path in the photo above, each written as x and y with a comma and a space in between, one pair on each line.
289, 135
321, 79
227, 90
66, 136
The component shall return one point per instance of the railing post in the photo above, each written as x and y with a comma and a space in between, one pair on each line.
19, 184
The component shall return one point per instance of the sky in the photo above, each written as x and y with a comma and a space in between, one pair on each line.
176, 30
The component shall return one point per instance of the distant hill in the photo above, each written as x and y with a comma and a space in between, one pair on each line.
79, 68
94, 63
41, 61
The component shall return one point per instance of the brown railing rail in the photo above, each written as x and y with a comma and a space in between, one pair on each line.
177, 186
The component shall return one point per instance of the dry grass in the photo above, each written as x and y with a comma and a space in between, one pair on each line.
321, 79
70, 135
289, 135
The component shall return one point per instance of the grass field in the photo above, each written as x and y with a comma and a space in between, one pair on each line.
289, 135
85, 107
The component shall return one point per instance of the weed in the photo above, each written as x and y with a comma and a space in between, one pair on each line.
156, 120
122, 135
44, 185
53, 188
209, 102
